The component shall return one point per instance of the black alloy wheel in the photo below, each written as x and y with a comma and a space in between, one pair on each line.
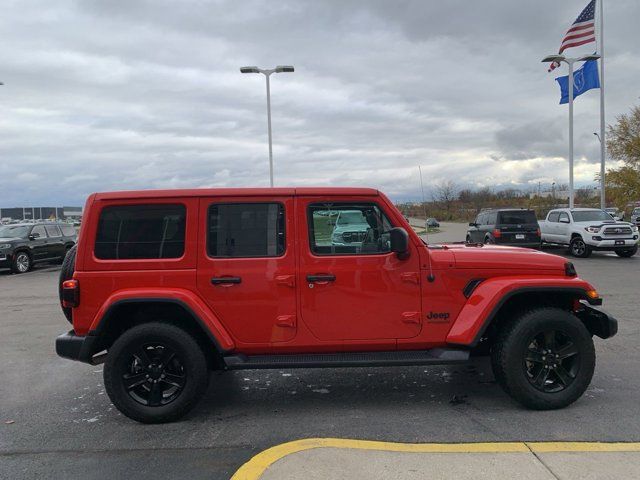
154, 375
579, 248
552, 361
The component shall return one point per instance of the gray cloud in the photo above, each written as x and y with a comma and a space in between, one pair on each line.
118, 95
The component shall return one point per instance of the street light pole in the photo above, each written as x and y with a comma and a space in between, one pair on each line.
267, 73
570, 61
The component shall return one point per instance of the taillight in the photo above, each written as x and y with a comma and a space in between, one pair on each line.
538, 232
497, 233
70, 293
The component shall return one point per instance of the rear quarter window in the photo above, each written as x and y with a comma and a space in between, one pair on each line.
128, 232
68, 230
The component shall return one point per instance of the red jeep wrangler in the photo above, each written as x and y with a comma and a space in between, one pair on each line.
167, 285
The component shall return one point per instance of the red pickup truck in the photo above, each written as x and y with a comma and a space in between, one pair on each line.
165, 286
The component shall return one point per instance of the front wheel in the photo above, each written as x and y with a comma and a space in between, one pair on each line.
155, 373
579, 248
627, 252
544, 359
22, 263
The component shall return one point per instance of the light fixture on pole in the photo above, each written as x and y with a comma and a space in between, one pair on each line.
267, 73
570, 61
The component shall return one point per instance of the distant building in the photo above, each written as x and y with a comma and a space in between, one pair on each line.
41, 213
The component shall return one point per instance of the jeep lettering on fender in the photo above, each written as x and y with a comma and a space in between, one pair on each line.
165, 286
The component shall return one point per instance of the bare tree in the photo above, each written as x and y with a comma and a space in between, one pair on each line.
445, 194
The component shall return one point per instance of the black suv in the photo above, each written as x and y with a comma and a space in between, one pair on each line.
515, 227
23, 245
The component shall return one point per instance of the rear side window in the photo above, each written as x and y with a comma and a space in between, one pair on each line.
554, 216
517, 217
130, 232
68, 230
52, 230
241, 230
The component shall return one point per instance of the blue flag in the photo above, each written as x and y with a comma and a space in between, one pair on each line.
585, 78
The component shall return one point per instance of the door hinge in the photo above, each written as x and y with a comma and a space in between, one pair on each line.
286, 280
411, 277
411, 317
286, 321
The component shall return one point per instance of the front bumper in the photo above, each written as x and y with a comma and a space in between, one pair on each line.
5, 260
610, 243
598, 322
75, 347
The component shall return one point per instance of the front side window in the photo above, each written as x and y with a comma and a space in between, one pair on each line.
348, 229
130, 232
564, 217
241, 230
591, 216
39, 230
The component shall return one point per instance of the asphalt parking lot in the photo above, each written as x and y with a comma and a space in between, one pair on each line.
56, 421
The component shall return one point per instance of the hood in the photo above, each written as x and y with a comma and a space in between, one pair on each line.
612, 223
9, 239
498, 257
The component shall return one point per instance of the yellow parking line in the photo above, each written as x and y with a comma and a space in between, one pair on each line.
254, 468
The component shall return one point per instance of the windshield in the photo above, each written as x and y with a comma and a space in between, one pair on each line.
516, 217
351, 218
14, 231
591, 216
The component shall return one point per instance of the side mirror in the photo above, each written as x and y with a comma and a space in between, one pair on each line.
564, 220
33, 236
399, 239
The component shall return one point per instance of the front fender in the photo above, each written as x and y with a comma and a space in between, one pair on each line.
185, 298
487, 299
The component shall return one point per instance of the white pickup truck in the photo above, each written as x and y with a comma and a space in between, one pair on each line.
587, 229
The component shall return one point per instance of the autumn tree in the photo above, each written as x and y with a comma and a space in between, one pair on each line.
623, 142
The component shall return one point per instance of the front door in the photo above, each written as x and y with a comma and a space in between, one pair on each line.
246, 266
39, 245
351, 286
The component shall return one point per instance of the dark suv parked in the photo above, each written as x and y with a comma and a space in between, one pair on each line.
23, 245
515, 227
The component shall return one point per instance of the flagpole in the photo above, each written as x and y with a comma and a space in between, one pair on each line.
570, 63
603, 147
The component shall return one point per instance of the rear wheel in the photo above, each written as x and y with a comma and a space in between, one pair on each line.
22, 262
579, 248
627, 252
544, 359
489, 240
155, 373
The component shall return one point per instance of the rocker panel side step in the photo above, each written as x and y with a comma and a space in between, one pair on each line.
436, 356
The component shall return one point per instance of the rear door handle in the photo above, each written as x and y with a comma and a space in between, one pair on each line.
324, 277
225, 280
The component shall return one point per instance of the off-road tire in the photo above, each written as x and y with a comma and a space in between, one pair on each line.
18, 262
188, 351
579, 248
627, 252
512, 344
66, 273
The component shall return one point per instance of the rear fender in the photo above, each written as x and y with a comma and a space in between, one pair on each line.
492, 294
185, 298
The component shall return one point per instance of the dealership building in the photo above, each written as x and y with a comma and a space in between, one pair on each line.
41, 213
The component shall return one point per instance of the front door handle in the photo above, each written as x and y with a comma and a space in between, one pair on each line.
225, 280
323, 277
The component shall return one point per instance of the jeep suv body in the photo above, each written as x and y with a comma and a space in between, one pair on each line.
166, 285
24, 245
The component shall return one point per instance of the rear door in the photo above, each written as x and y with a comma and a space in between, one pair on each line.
518, 226
247, 264
563, 227
352, 287
55, 243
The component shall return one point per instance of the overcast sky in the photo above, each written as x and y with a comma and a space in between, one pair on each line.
116, 95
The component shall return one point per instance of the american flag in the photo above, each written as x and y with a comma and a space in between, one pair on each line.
582, 31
